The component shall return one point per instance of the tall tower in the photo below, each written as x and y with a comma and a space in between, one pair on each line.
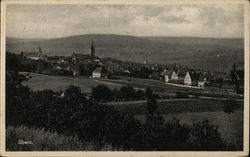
92, 51
40, 50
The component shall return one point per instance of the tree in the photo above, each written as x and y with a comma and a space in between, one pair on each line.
144, 72
229, 107
140, 95
102, 93
151, 101
17, 96
127, 92
206, 136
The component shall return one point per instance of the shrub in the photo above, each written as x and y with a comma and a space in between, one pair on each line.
102, 92
205, 136
229, 107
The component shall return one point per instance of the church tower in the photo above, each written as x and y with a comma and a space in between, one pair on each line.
92, 51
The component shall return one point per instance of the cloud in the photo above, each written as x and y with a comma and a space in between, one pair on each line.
51, 21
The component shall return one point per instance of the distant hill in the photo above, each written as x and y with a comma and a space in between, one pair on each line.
11, 40
215, 54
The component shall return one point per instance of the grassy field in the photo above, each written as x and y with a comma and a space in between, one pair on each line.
58, 83
231, 130
153, 84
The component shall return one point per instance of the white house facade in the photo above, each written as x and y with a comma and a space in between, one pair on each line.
187, 79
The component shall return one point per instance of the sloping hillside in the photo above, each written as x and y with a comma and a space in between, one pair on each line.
205, 53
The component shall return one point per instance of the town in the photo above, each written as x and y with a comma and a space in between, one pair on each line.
108, 68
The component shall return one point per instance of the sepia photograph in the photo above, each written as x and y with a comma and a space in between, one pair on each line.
118, 77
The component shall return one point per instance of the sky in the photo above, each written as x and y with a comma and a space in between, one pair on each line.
58, 20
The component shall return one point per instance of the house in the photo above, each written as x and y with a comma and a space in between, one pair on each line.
181, 74
187, 79
167, 75
99, 73
194, 78
201, 81
174, 75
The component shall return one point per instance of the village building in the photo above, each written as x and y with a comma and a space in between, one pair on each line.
35, 55
174, 76
99, 73
167, 75
78, 58
201, 81
187, 79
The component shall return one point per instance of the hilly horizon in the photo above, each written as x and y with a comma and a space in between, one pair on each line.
215, 54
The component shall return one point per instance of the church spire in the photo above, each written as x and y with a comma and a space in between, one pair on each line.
92, 45
92, 51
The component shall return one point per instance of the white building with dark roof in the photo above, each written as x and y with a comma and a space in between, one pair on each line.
98, 73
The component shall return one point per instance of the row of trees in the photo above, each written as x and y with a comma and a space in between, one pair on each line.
90, 120
125, 93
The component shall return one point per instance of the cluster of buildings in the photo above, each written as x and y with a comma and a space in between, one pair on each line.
35, 55
185, 77
174, 74
71, 63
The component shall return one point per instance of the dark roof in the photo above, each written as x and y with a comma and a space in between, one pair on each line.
181, 73
99, 69
239, 74
202, 77
32, 54
81, 56
166, 72
194, 75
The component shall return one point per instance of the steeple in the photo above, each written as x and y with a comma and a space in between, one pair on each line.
40, 49
92, 51
92, 45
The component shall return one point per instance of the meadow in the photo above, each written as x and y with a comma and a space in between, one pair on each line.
60, 83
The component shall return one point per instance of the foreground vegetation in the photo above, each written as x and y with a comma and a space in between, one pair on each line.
48, 141
73, 114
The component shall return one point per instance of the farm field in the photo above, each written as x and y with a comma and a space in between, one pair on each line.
231, 130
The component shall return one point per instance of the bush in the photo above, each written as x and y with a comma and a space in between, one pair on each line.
102, 92
229, 107
48, 141
205, 136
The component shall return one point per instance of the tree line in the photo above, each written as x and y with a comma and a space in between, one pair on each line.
125, 93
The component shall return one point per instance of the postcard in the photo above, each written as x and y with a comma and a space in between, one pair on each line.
124, 78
